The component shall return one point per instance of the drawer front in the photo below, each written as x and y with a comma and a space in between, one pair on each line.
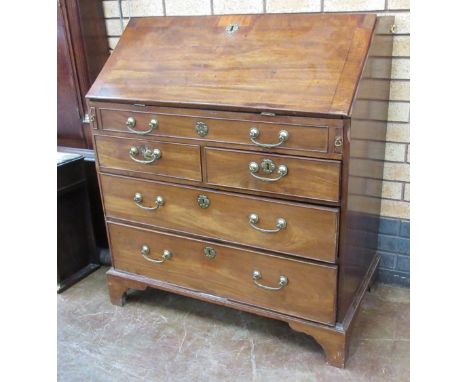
157, 158
309, 291
304, 230
253, 134
285, 175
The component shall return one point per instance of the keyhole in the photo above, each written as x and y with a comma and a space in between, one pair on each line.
231, 28
267, 166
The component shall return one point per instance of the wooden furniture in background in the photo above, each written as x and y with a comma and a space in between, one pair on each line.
81, 53
238, 164
76, 247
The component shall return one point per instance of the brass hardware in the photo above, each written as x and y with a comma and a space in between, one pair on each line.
268, 167
134, 150
131, 123
254, 132
201, 128
280, 224
232, 28
256, 275
153, 124
203, 201
393, 29
209, 252
149, 155
145, 250
338, 141
253, 167
138, 198
91, 117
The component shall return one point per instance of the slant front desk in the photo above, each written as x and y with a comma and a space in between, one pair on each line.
240, 162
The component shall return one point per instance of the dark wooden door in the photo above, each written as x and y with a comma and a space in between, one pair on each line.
81, 52
69, 108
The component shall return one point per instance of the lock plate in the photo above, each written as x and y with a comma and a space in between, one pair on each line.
267, 166
201, 128
209, 252
232, 28
203, 201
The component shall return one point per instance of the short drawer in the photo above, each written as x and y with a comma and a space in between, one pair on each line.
278, 174
293, 228
253, 134
157, 158
298, 288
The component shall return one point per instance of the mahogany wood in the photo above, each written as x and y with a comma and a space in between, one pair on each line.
271, 64
177, 160
255, 116
333, 127
303, 73
310, 231
363, 155
69, 107
334, 340
310, 292
312, 138
81, 53
309, 178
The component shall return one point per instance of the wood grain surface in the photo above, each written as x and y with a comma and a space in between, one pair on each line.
310, 292
306, 64
310, 178
309, 138
177, 160
310, 232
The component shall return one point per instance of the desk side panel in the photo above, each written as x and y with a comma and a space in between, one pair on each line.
364, 154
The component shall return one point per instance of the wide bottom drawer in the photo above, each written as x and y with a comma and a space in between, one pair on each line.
298, 288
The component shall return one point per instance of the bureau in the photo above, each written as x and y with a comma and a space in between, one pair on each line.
240, 162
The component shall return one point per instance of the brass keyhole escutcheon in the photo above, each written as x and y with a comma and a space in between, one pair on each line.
268, 166
209, 252
201, 128
232, 28
203, 201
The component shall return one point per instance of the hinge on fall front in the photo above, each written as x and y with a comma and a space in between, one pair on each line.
90, 117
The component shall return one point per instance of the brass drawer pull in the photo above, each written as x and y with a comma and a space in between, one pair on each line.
280, 224
283, 281
283, 136
145, 250
131, 123
267, 167
138, 198
149, 155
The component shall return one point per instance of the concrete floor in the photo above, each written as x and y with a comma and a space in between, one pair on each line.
158, 336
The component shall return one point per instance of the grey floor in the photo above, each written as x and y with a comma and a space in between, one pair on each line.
158, 336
